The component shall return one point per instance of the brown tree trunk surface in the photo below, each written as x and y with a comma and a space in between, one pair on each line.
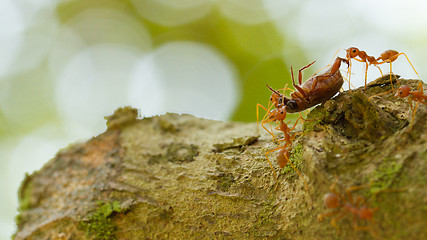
180, 177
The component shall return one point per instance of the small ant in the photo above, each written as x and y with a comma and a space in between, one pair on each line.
388, 56
346, 205
418, 96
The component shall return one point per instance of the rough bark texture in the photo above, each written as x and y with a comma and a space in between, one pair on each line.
180, 177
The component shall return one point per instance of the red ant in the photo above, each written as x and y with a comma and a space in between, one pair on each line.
388, 56
288, 138
346, 205
418, 96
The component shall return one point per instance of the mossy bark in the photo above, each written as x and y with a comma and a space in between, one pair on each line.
180, 177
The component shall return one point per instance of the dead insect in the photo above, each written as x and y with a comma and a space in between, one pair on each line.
317, 89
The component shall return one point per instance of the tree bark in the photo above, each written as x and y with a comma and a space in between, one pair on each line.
180, 177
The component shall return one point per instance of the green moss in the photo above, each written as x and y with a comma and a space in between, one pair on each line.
167, 126
181, 153
385, 175
226, 181
121, 117
296, 158
99, 222
25, 193
314, 119
264, 220
24, 196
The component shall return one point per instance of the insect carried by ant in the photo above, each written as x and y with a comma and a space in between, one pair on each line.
388, 56
418, 96
317, 89
345, 205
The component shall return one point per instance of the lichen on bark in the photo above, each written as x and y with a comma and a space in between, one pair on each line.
180, 177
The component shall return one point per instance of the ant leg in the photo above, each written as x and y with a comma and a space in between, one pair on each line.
296, 122
410, 64
391, 81
257, 114
360, 201
349, 84
413, 114
402, 53
263, 121
349, 74
320, 217
333, 221
379, 94
351, 189
286, 88
301, 117
391, 72
322, 69
379, 69
269, 131
366, 74
420, 87
360, 228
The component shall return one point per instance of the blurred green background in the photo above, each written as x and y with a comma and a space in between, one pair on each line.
67, 64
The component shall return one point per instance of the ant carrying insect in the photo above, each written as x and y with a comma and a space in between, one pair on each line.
317, 89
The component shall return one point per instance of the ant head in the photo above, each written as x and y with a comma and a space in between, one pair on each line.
274, 97
352, 52
281, 113
292, 106
331, 200
403, 91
